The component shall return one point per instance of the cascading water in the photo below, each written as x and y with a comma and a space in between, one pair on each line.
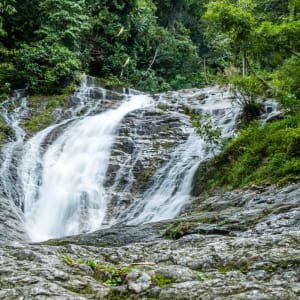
173, 183
71, 198
13, 149
60, 178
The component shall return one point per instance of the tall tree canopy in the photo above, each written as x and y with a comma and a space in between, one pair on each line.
149, 44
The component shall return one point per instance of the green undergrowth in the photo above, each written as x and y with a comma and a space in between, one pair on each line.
109, 275
261, 154
177, 230
39, 122
161, 280
113, 276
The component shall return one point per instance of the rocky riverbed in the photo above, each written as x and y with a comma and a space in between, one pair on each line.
241, 245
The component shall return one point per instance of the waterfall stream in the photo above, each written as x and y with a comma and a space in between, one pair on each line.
71, 198
61, 182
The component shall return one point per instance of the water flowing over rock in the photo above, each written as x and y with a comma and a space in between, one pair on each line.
109, 158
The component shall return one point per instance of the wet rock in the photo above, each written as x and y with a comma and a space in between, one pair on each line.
115, 236
275, 116
73, 100
177, 273
11, 223
138, 281
26, 254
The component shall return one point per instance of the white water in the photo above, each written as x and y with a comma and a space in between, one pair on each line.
71, 197
172, 186
12, 149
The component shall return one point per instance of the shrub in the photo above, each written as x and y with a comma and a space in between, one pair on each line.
46, 67
261, 153
246, 91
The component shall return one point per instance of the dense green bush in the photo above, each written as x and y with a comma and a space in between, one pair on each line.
286, 84
7, 74
48, 41
260, 154
46, 67
152, 45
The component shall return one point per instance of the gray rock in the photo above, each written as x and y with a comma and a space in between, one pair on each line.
11, 223
177, 273
138, 281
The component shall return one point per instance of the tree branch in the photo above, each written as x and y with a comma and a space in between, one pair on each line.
153, 60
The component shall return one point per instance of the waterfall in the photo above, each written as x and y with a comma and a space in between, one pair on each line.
171, 187
13, 149
59, 176
173, 183
71, 198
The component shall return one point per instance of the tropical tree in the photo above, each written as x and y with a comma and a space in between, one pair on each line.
64, 22
229, 29
6, 68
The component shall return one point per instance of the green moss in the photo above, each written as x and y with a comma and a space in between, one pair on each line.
156, 145
187, 110
162, 106
177, 230
227, 222
115, 295
5, 131
232, 267
244, 269
225, 269
39, 122
271, 268
109, 275
203, 277
209, 219
86, 290
42, 107
68, 260
144, 176
161, 280
50, 102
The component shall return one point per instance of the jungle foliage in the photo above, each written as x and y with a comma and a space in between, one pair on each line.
151, 45
46, 44
253, 46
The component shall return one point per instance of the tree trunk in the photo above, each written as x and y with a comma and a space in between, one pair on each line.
292, 10
244, 65
153, 60
205, 70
